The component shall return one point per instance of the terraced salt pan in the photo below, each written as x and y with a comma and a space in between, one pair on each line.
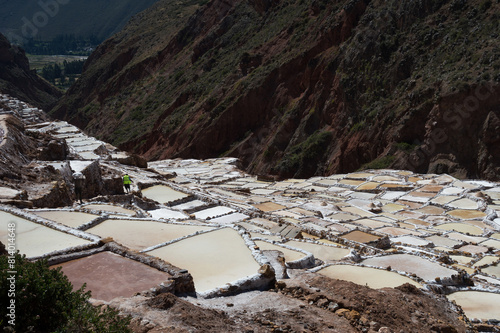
461, 227
68, 218
165, 213
462, 259
290, 255
142, 234
321, 252
410, 240
230, 218
478, 305
213, 258
423, 268
492, 270
269, 206
34, 239
213, 212
109, 275
110, 209
466, 214
466, 238
473, 249
393, 231
366, 276
360, 236
463, 204
190, 205
371, 223
491, 243
163, 194
486, 260
444, 199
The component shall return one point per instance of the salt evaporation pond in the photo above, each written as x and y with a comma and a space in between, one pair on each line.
110, 209
478, 305
71, 219
163, 194
34, 239
461, 227
213, 258
360, 236
290, 255
366, 276
322, 252
142, 234
423, 268
492, 270
109, 275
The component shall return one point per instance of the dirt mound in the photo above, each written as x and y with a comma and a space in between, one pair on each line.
305, 303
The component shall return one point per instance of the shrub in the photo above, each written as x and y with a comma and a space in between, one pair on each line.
45, 302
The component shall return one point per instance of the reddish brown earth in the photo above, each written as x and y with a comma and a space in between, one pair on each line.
308, 303
411, 85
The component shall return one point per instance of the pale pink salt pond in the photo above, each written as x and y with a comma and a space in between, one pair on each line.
141, 234
366, 276
109, 275
213, 258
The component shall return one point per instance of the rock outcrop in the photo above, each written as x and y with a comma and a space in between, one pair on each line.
17, 80
297, 88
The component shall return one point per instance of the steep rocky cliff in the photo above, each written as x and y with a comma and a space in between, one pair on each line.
297, 88
17, 80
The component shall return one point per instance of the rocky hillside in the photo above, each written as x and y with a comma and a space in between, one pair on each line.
17, 80
297, 88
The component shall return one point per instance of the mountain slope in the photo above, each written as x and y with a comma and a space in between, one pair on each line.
17, 80
298, 88
50, 18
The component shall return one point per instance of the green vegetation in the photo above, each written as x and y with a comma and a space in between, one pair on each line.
304, 156
379, 163
45, 302
62, 44
405, 146
62, 77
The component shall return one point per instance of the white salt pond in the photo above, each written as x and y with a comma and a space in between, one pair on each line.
478, 305
421, 267
366, 276
110, 209
34, 239
230, 218
163, 194
142, 234
290, 255
165, 213
321, 252
68, 218
213, 212
213, 258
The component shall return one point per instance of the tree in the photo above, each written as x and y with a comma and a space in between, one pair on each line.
45, 301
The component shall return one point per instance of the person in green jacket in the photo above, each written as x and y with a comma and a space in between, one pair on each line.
127, 182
